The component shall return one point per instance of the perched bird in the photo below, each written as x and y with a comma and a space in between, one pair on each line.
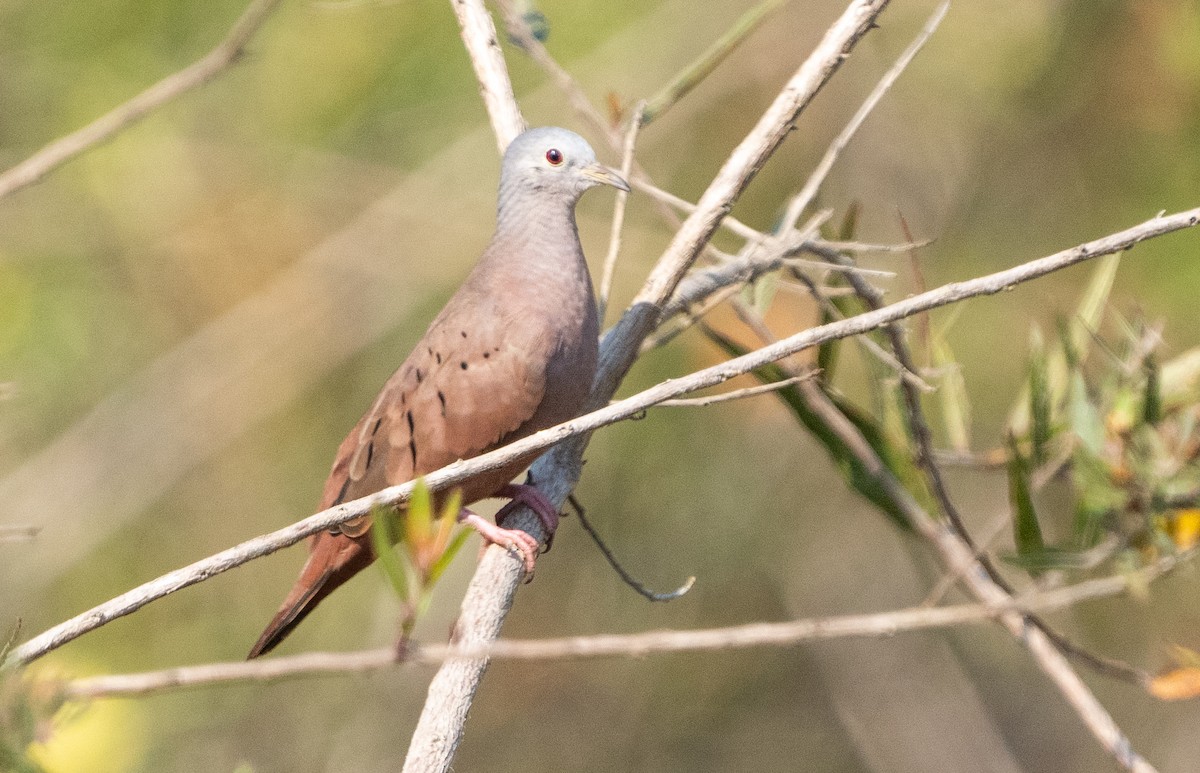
512, 352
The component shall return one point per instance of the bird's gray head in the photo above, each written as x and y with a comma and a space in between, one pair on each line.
554, 161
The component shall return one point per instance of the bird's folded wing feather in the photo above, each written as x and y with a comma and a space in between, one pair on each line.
461, 392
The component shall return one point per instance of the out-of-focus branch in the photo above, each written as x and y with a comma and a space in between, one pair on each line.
783, 634
457, 472
702, 67
18, 533
106, 126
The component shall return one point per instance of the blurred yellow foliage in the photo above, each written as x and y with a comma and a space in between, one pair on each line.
104, 737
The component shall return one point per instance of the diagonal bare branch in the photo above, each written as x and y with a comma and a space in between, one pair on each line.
457, 472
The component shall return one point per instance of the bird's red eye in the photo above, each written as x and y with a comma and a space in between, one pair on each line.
554, 156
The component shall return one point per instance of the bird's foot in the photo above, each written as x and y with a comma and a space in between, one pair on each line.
509, 539
522, 494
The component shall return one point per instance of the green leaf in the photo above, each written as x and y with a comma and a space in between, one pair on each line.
418, 519
1091, 307
952, 391
1097, 498
827, 353
1076, 338
383, 537
849, 224
1152, 398
1049, 559
1040, 404
1086, 423
443, 561
1027, 534
762, 292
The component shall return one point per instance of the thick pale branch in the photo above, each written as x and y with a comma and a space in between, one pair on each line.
106, 126
483, 47
494, 584
456, 473
881, 624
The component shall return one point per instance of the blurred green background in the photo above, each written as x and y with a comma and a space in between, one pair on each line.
192, 316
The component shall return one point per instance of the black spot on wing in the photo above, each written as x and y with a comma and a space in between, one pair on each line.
341, 497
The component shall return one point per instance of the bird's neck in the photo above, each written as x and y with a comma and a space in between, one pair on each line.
536, 245
533, 227
525, 210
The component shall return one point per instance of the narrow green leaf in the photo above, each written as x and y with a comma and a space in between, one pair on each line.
1048, 559
1076, 337
1152, 398
764, 292
1097, 498
1071, 356
849, 225
1091, 307
1086, 423
952, 392
1040, 404
443, 561
1027, 534
418, 519
448, 519
827, 353
383, 537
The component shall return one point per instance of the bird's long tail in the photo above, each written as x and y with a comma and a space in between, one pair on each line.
332, 559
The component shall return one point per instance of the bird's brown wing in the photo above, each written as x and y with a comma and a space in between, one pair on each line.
463, 390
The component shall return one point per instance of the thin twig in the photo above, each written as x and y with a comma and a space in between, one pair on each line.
639, 587
618, 219
783, 634
740, 229
174, 85
688, 317
842, 246
518, 30
737, 394
456, 473
806, 195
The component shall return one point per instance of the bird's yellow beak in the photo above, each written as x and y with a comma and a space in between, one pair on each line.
602, 174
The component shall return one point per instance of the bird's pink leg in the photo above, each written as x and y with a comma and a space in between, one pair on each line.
505, 538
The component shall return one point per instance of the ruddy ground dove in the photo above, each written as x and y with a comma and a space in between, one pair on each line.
513, 352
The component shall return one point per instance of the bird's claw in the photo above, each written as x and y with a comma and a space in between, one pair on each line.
509, 539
